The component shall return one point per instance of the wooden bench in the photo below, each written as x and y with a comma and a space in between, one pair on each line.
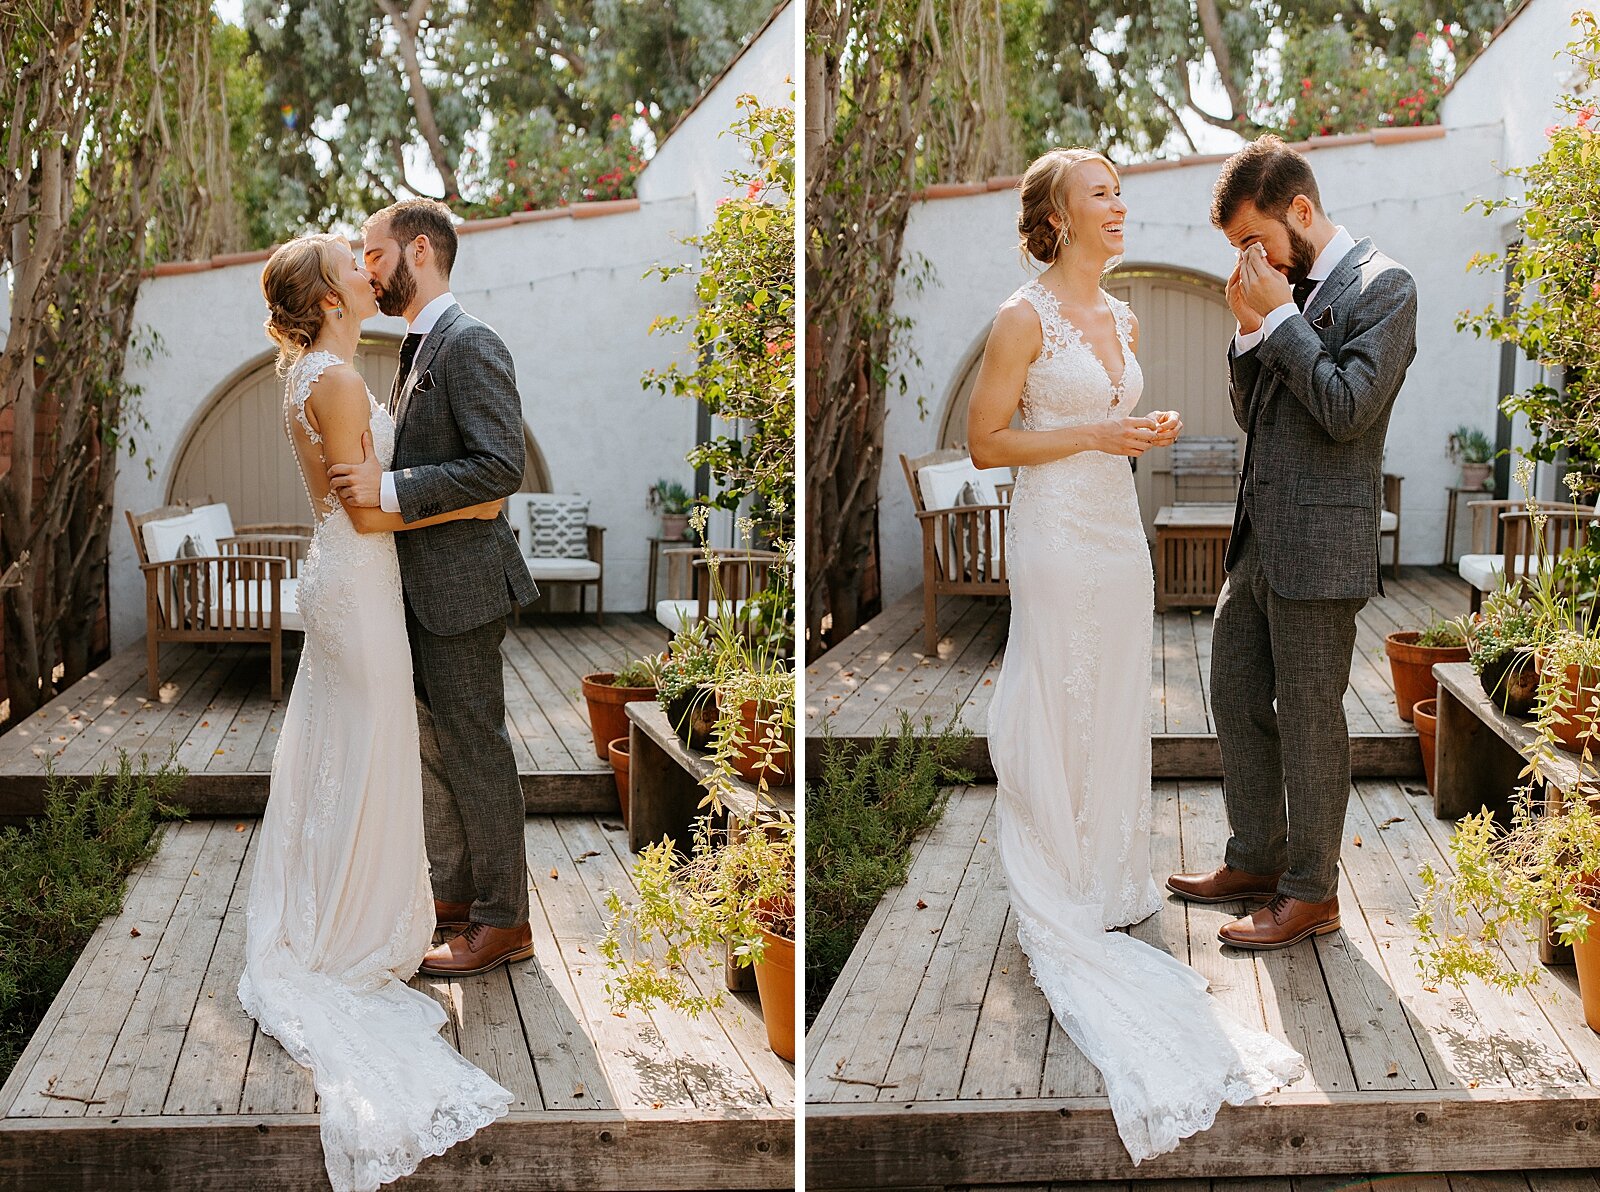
1479, 759
664, 783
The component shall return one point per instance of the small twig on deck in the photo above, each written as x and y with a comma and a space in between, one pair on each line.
871, 1084
70, 1097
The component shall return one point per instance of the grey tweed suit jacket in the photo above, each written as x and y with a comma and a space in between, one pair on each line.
1316, 397
458, 442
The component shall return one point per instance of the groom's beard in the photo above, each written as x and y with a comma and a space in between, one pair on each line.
397, 293
1302, 254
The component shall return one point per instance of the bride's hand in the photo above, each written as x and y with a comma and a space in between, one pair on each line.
1127, 436
489, 510
1169, 425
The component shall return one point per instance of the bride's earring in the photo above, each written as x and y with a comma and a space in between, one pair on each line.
338, 312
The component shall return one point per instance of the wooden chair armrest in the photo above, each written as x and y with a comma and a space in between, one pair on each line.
597, 543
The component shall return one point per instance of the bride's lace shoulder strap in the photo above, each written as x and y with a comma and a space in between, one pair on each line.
302, 375
1122, 315
1051, 320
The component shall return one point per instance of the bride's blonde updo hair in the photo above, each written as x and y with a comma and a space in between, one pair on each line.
297, 278
1044, 193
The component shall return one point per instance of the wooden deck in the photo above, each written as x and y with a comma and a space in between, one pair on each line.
216, 711
862, 685
935, 1061
147, 1074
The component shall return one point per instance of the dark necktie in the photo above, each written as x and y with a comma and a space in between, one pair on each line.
1302, 291
408, 356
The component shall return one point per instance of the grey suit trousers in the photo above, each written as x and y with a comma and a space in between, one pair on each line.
472, 806
1279, 669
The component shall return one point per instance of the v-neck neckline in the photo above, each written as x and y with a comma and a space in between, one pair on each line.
1117, 386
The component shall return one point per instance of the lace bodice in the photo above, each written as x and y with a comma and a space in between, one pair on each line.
1069, 384
307, 443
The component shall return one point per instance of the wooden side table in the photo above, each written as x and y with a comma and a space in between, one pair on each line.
1191, 546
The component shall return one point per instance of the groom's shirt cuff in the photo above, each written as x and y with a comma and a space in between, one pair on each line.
1276, 317
387, 500
1245, 341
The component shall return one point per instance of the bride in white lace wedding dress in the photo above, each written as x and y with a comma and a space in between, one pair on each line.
340, 908
1069, 723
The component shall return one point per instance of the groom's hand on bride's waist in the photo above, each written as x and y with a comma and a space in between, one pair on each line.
359, 484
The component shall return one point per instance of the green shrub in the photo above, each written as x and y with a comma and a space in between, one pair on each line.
60, 875
861, 817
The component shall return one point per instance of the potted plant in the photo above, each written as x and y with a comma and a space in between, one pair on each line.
620, 755
1471, 448
736, 888
1412, 654
1502, 645
1541, 871
605, 693
686, 689
671, 500
1425, 715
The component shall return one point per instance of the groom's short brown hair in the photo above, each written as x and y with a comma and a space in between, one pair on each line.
410, 218
1266, 174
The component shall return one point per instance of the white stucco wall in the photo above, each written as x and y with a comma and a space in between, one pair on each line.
696, 158
1408, 196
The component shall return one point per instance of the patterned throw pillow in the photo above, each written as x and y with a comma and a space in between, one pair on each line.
557, 527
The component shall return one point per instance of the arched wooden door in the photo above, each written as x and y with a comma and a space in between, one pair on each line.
237, 451
1184, 329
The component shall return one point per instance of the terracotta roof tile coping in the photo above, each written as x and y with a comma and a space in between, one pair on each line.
1380, 136
573, 211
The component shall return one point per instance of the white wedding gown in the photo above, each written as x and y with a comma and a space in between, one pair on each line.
1069, 733
340, 909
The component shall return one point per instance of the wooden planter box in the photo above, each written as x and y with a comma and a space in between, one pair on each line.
1191, 544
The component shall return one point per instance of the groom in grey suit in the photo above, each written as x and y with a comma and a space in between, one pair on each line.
458, 442
1327, 329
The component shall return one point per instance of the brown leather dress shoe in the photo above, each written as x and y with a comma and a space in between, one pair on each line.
451, 916
478, 949
1282, 922
1223, 884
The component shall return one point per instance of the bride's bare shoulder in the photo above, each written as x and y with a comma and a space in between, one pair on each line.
1017, 321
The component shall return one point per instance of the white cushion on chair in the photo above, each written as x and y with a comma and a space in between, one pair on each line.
226, 597
573, 569
674, 615
163, 537
216, 519
941, 484
1387, 522
1483, 571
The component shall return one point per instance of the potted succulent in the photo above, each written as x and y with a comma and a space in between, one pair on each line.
671, 500
736, 888
1412, 655
1538, 875
1502, 645
686, 689
1470, 447
605, 693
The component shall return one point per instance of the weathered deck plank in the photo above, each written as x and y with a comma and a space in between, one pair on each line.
982, 1088
216, 714
150, 1057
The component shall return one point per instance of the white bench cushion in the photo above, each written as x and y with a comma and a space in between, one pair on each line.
1387, 522
1483, 571
223, 601
941, 484
553, 569
674, 615
164, 537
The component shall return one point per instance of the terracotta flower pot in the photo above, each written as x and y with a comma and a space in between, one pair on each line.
693, 715
1578, 691
1412, 667
1512, 682
775, 980
618, 750
1586, 954
1425, 714
607, 720
674, 526
779, 765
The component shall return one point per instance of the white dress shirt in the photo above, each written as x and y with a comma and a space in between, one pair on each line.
421, 325
1332, 253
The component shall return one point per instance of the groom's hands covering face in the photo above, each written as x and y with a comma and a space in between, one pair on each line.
1263, 287
1248, 319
